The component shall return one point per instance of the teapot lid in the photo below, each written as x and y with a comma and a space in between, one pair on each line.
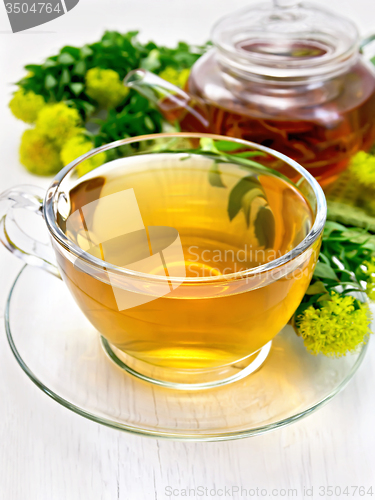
286, 40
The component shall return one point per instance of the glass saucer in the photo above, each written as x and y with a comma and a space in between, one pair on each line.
62, 354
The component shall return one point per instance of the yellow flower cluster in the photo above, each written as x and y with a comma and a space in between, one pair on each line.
55, 141
59, 123
362, 166
38, 154
105, 87
174, 76
26, 105
78, 146
338, 327
40, 146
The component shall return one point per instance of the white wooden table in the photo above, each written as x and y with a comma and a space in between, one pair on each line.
49, 453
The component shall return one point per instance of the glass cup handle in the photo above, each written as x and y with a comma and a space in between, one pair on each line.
28, 249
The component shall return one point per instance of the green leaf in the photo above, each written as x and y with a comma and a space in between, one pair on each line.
34, 68
247, 201
214, 176
80, 68
80, 104
86, 51
208, 145
264, 225
50, 81
65, 77
325, 271
151, 62
245, 185
77, 88
326, 259
332, 226
149, 123
226, 145
324, 298
249, 163
248, 154
316, 288
66, 59
305, 304
49, 63
73, 52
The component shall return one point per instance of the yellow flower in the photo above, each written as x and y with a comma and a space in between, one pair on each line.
26, 105
105, 87
338, 327
370, 273
78, 146
58, 122
38, 154
362, 165
174, 76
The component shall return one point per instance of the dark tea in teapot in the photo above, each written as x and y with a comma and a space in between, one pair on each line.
321, 127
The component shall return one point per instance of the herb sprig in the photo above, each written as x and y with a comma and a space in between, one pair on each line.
62, 78
243, 194
334, 317
341, 264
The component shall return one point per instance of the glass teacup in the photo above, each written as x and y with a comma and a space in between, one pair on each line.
187, 252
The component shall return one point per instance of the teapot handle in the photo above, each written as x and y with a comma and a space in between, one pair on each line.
14, 239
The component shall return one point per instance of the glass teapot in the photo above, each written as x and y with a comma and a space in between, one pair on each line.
287, 75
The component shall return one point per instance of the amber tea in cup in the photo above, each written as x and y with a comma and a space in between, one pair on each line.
186, 253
